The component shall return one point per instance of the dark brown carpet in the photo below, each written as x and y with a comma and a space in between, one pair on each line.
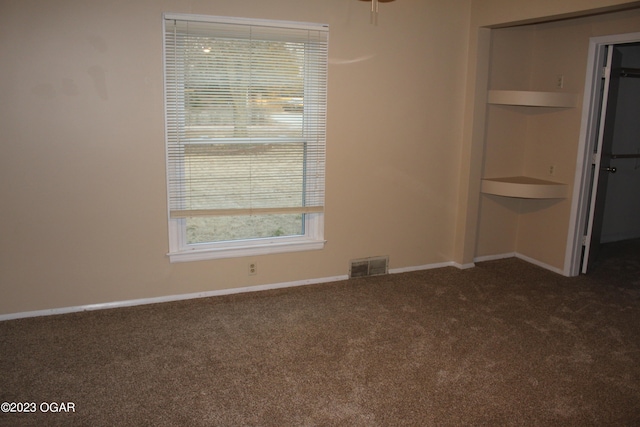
505, 343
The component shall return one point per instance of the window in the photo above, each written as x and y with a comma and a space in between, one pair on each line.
245, 108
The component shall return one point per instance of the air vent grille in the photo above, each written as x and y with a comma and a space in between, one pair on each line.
373, 266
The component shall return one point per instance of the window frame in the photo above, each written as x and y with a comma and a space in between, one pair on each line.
313, 223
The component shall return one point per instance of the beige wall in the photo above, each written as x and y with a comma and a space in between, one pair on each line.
527, 141
510, 68
488, 14
83, 216
560, 48
83, 203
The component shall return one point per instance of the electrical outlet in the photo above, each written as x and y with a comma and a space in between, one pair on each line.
253, 268
552, 170
560, 81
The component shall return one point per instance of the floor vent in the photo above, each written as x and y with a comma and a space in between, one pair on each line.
369, 267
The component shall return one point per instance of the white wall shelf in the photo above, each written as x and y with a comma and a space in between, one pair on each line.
524, 187
532, 98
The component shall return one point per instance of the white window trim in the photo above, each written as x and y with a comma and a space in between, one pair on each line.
180, 250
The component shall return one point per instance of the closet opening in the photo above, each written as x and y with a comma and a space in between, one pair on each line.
607, 190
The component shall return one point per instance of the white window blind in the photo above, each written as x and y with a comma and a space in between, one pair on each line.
245, 116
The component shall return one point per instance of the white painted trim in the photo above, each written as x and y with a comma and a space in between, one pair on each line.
582, 178
270, 247
422, 267
540, 264
168, 298
221, 292
522, 257
464, 266
494, 257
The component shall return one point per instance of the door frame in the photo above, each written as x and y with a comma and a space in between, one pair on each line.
582, 188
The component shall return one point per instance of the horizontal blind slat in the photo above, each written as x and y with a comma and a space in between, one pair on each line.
252, 99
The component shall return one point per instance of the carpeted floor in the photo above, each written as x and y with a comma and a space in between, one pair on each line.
618, 264
505, 343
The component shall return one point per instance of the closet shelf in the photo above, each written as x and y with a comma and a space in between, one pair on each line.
533, 98
524, 187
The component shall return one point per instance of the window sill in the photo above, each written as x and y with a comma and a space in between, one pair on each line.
271, 247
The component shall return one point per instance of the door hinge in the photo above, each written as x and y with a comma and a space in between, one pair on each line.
584, 240
605, 71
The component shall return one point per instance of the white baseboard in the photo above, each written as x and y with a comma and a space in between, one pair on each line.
422, 267
520, 256
464, 266
540, 264
494, 257
170, 298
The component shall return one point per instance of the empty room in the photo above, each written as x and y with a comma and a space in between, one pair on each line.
319, 212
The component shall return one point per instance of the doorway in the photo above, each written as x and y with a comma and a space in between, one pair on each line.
607, 190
